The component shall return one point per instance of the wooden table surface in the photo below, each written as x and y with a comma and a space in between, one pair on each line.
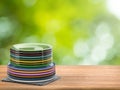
74, 78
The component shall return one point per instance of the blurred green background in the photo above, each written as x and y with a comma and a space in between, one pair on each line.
82, 32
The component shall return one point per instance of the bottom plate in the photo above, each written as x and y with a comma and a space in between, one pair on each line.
23, 81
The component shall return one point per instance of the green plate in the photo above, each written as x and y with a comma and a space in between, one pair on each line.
31, 47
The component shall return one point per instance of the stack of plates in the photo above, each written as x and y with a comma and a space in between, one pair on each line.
31, 62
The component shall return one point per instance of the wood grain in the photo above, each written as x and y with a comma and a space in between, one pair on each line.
74, 78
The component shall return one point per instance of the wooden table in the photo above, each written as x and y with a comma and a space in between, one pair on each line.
74, 78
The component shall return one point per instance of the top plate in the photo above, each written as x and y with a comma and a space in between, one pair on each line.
31, 47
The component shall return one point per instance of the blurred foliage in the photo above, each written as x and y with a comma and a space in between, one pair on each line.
81, 31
